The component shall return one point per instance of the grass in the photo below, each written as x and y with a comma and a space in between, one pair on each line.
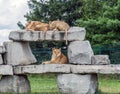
43, 84
109, 85
47, 84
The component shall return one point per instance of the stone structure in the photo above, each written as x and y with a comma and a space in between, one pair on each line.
80, 52
18, 53
100, 60
67, 68
72, 79
74, 33
6, 70
77, 84
14, 84
2, 51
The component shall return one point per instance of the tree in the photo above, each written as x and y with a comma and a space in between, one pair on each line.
67, 10
103, 22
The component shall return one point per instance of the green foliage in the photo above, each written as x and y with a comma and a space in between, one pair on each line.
21, 25
103, 22
67, 10
101, 18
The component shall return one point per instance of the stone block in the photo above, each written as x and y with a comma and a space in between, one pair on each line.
1, 60
2, 49
93, 69
38, 69
100, 60
6, 70
74, 33
14, 84
77, 84
80, 52
18, 53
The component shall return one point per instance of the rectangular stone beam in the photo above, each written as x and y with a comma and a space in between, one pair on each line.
101, 69
67, 68
38, 69
74, 33
6, 70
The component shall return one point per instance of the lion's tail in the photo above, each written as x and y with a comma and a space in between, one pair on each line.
66, 35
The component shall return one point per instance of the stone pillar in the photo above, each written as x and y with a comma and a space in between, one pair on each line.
1, 60
14, 84
80, 52
77, 84
18, 53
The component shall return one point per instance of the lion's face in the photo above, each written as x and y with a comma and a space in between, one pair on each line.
56, 52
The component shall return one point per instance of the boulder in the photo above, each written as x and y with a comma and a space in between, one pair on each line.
18, 53
77, 84
80, 52
74, 33
14, 84
100, 60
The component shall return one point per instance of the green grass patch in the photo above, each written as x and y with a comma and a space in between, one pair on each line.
47, 84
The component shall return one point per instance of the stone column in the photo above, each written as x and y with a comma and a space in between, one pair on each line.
1, 60
18, 53
14, 84
80, 52
77, 83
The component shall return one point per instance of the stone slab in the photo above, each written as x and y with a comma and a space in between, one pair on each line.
14, 84
100, 60
101, 69
38, 69
74, 33
77, 84
18, 53
6, 70
2, 49
80, 52
67, 68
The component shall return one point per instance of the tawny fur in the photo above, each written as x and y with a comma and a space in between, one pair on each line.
59, 26
37, 26
57, 57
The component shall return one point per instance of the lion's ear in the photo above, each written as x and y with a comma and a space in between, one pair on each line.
60, 49
53, 49
50, 22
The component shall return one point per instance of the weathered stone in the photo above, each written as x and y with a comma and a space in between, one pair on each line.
14, 84
23, 35
74, 33
101, 69
37, 69
18, 53
6, 70
2, 49
1, 60
77, 84
67, 68
80, 52
100, 59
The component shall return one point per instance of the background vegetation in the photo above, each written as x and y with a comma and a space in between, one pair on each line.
101, 18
